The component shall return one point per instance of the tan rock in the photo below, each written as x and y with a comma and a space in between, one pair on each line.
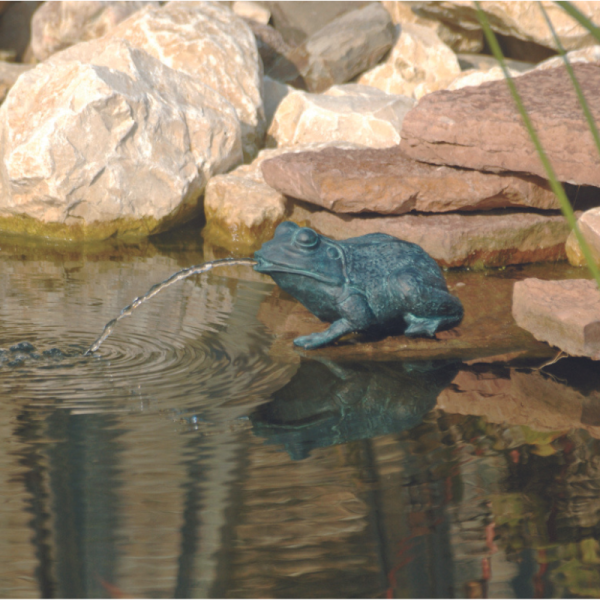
208, 42
453, 239
251, 10
339, 51
419, 63
589, 225
350, 113
521, 20
480, 127
58, 25
455, 37
241, 209
477, 77
81, 154
386, 181
591, 54
565, 313
9, 73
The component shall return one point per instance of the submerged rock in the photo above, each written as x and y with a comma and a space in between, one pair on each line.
105, 140
566, 313
386, 181
480, 127
349, 113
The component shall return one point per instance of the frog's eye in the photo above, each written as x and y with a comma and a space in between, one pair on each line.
306, 238
333, 253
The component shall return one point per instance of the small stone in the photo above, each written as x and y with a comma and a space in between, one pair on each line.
589, 225
565, 314
386, 181
418, 63
454, 239
58, 25
339, 51
27, 347
480, 127
252, 10
350, 113
241, 209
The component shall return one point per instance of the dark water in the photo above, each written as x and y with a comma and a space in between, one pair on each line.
189, 458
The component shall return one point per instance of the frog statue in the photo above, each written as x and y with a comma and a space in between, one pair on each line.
371, 283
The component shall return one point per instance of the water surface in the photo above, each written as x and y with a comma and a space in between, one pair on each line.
189, 458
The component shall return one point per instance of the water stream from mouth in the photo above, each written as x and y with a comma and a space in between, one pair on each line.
159, 287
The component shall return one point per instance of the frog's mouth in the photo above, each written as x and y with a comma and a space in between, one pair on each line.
268, 267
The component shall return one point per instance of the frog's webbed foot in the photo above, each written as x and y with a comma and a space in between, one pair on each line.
421, 326
316, 340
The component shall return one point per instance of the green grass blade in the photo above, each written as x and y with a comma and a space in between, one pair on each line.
581, 19
556, 186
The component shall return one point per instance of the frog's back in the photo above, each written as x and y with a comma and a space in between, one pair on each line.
375, 256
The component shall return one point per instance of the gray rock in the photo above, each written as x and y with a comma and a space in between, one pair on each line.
566, 313
338, 52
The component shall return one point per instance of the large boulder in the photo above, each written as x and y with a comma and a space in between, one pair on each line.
112, 143
565, 313
351, 113
480, 127
418, 64
341, 50
209, 42
58, 25
521, 20
386, 181
455, 239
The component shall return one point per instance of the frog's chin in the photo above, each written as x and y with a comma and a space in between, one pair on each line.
265, 266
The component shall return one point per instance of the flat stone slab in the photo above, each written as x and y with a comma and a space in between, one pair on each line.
480, 128
387, 181
487, 330
566, 313
452, 239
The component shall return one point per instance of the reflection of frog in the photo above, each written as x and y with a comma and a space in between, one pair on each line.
362, 283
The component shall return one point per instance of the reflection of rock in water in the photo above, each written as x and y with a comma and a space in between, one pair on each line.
326, 404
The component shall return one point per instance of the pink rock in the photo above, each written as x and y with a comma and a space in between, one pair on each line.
566, 313
386, 181
480, 127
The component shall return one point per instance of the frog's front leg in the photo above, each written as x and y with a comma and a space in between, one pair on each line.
355, 316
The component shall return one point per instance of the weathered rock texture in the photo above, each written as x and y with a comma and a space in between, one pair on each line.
455, 240
386, 181
454, 36
9, 73
351, 113
419, 63
241, 209
565, 313
589, 225
298, 20
480, 128
208, 42
58, 25
118, 144
521, 20
344, 48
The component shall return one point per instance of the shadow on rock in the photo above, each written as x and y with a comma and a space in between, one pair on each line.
325, 403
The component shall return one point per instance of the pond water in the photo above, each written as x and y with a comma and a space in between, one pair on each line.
189, 457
